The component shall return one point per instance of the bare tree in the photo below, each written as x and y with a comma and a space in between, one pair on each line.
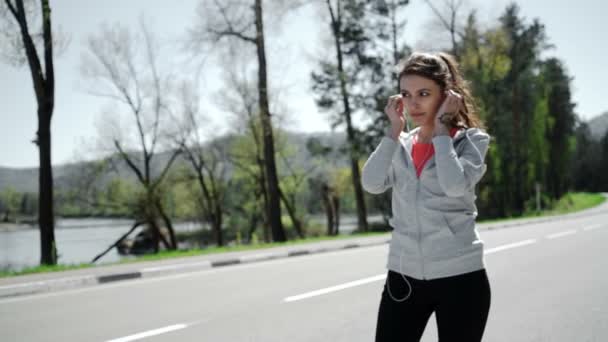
123, 67
448, 18
207, 161
43, 78
243, 21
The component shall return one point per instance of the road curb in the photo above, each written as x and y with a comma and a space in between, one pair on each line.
260, 256
151, 272
47, 286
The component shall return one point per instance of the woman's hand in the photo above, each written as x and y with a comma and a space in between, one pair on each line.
450, 106
394, 112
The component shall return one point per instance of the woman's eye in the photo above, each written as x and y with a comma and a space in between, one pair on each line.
424, 93
405, 95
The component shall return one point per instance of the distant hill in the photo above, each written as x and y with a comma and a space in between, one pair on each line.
599, 125
26, 179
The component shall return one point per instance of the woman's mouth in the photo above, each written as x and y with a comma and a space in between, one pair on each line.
415, 115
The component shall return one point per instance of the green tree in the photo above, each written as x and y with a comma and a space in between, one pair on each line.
562, 123
11, 201
515, 109
586, 164
485, 62
248, 193
603, 167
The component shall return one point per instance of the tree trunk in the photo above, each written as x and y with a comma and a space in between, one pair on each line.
48, 249
519, 168
43, 81
217, 225
158, 236
297, 225
264, 193
213, 208
336, 208
253, 224
329, 212
169, 225
274, 204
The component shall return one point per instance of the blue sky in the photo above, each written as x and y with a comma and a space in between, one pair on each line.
576, 31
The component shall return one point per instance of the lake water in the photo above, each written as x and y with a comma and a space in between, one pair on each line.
78, 240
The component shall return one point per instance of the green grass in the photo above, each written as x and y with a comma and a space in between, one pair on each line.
570, 202
214, 250
45, 269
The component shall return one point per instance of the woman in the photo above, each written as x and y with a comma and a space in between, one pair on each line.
435, 262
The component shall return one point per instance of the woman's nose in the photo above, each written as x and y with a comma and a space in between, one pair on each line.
412, 104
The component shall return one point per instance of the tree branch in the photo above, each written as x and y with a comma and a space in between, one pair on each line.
12, 9
166, 169
438, 14
30, 52
126, 158
230, 31
135, 225
221, 34
156, 80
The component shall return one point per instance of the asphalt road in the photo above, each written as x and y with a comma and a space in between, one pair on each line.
549, 283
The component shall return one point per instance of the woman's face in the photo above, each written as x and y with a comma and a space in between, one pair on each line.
422, 98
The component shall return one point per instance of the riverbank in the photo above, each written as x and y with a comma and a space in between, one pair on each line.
570, 203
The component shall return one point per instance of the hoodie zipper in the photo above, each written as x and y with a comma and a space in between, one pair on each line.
419, 229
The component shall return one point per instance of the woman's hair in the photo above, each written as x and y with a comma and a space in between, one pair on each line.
443, 69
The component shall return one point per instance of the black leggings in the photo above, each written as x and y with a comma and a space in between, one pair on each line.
461, 304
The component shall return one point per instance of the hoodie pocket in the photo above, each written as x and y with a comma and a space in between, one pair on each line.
442, 243
460, 224
447, 224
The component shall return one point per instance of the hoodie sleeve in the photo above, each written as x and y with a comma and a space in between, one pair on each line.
456, 173
378, 174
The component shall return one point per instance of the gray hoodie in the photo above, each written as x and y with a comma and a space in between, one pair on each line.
434, 231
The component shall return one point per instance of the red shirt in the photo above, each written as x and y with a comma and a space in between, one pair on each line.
422, 152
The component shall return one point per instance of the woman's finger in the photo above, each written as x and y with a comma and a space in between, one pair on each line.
393, 102
389, 103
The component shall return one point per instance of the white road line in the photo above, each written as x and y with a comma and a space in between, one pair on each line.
335, 288
383, 276
558, 235
509, 246
595, 226
150, 333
